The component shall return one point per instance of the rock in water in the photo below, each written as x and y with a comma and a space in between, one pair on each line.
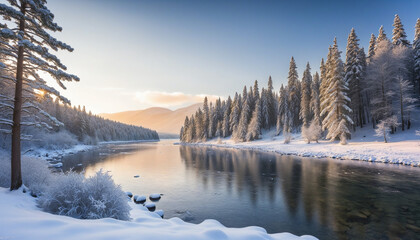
155, 197
151, 206
139, 199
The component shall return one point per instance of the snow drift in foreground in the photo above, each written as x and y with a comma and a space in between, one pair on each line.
21, 219
403, 148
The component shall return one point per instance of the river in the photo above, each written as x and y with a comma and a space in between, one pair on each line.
326, 198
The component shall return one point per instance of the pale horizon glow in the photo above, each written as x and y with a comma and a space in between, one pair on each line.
132, 55
172, 100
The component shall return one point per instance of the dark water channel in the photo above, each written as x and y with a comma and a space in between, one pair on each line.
326, 198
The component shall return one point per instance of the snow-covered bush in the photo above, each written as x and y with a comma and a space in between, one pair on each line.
35, 174
343, 139
311, 133
88, 198
384, 127
55, 140
287, 138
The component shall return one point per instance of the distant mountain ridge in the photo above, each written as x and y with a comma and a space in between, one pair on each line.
162, 120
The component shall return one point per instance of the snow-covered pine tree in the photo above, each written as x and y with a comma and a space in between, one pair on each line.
226, 116
212, 124
371, 50
363, 86
323, 84
191, 130
183, 135
381, 37
199, 128
219, 111
416, 54
293, 86
354, 77
251, 99
236, 112
336, 103
305, 109
399, 37
28, 46
241, 131
315, 100
218, 130
256, 91
271, 101
206, 120
287, 119
254, 128
265, 112
281, 109
244, 95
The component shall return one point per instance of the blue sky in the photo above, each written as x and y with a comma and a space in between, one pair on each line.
137, 54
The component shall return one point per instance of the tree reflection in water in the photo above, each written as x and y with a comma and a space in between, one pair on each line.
330, 199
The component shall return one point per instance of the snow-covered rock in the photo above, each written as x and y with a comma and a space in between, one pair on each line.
151, 206
155, 196
139, 199
129, 194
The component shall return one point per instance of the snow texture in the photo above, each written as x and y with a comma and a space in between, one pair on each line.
404, 147
21, 219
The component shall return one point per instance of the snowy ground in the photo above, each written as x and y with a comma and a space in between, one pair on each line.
21, 219
403, 148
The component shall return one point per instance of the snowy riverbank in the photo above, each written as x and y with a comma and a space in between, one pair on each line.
403, 148
21, 219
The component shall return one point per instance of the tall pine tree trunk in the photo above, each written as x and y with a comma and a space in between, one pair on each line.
16, 174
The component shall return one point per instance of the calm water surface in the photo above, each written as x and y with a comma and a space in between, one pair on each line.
327, 198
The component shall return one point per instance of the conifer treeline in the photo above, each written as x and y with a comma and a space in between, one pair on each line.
372, 89
90, 128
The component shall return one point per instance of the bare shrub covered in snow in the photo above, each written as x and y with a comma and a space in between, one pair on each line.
287, 138
35, 173
384, 127
69, 194
54, 140
311, 133
87, 198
